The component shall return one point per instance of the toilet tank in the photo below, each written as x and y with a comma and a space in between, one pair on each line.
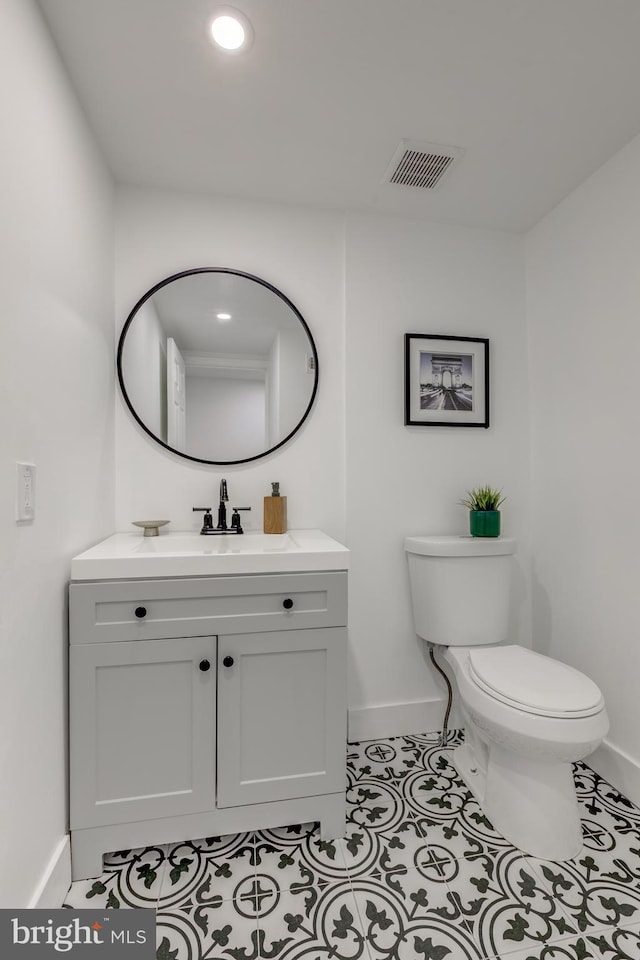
460, 588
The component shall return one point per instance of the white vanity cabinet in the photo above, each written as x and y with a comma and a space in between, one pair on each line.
281, 717
205, 705
143, 729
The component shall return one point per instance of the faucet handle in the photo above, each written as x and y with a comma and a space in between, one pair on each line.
235, 519
207, 520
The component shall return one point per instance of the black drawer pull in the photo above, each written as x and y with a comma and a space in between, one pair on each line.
288, 603
140, 612
227, 662
204, 665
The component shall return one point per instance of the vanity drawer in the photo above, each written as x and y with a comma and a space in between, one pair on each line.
157, 609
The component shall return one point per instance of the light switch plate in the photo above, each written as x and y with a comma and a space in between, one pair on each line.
25, 492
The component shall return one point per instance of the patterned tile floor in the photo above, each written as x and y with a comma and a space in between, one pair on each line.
421, 873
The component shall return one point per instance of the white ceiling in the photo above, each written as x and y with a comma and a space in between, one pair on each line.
187, 309
539, 93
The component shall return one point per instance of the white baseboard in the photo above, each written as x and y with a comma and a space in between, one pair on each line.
620, 769
396, 719
56, 879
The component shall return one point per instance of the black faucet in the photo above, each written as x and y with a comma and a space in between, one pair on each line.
207, 524
222, 510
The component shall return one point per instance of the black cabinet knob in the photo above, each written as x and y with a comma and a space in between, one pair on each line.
288, 603
140, 612
204, 665
227, 662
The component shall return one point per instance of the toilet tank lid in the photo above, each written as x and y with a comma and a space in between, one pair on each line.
534, 682
449, 546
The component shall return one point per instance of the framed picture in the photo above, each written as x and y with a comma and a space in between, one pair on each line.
446, 381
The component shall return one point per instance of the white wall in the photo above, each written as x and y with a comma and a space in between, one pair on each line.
300, 252
273, 394
227, 415
405, 276
144, 369
583, 294
56, 376
296, 383
397, 276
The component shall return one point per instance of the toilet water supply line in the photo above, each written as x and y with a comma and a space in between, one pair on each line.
444, 736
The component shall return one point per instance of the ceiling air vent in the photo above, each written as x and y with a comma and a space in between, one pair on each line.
419, 164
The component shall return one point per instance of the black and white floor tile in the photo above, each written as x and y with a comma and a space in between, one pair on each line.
421, 874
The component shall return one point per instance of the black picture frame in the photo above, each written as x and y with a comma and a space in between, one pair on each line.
446, 381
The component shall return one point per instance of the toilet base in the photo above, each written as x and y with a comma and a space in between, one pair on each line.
531, 802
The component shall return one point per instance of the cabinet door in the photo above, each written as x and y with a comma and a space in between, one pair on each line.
142, 729
281, 715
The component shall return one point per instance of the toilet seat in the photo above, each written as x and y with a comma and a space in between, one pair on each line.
534, 683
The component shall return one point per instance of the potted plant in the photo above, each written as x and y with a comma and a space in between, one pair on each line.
483, 504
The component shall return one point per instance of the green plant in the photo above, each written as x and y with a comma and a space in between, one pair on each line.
483, 498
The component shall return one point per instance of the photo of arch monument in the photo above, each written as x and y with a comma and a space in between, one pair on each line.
446, 381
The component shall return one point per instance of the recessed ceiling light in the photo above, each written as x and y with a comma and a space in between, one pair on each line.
223, 317
230, 30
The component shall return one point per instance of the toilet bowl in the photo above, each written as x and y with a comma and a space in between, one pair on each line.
527, 717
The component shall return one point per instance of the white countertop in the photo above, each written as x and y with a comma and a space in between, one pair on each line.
125, 556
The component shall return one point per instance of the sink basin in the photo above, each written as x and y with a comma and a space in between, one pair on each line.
193, 543
128, 555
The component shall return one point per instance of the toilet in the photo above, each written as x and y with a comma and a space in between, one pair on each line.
527, 717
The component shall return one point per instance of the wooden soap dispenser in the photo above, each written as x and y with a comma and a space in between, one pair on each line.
275, 511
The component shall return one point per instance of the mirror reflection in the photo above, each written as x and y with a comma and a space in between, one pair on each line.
217, 365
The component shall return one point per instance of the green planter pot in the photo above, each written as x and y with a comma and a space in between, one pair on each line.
484, 523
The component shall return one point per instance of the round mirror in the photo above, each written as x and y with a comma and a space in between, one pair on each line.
217, 365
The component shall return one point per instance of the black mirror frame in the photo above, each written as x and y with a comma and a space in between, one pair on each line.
236, 273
